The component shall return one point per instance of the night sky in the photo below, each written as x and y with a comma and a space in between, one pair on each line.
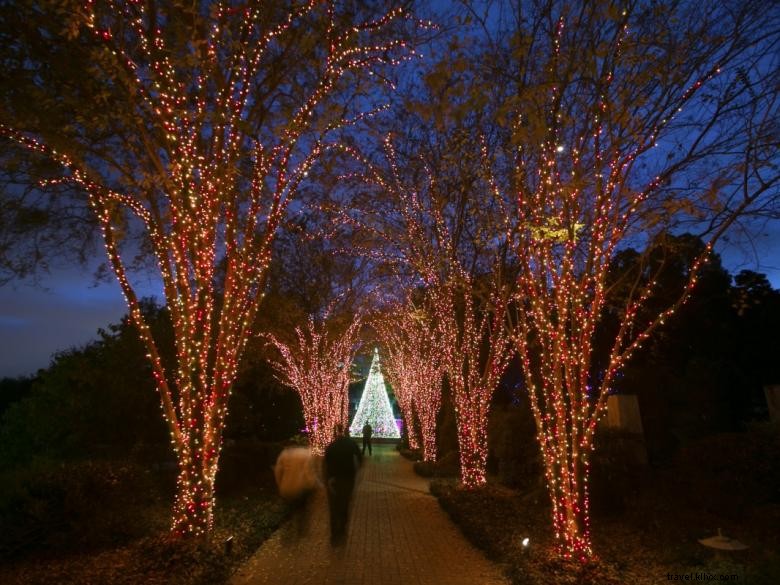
64, 310
67, 308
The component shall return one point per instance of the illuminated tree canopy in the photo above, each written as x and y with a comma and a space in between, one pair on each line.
193, 126
318, 367
623, 124
414, 366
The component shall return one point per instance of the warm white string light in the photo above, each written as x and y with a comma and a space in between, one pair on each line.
210, 187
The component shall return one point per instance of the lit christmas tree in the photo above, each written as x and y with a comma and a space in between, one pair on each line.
375, 406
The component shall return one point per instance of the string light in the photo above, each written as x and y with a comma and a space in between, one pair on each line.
464, 325
573, 211
209, 187
318, 367
374, 407
414, 367
477, 351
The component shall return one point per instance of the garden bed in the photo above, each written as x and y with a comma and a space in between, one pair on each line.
651, 534
107, 522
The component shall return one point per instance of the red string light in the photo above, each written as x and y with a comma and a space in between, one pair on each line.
211, 183
414, 366
318, 367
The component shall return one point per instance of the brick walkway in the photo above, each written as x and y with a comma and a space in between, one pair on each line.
398, 535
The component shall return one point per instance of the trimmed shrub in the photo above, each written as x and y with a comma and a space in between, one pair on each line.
79, 505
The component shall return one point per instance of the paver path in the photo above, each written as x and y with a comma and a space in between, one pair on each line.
398, 535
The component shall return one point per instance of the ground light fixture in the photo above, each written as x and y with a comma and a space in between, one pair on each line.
525, 544
721, 542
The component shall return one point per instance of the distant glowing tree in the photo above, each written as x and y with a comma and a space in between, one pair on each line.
414, 366
374, 407
435, 226
193, 125
622, 123
318, 367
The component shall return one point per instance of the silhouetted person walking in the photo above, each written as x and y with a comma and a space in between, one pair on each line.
367, 433
342, 459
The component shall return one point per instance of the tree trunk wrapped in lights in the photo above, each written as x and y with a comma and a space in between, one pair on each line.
612, 146
477, 352
414, 366
318, 367
404, 391
437, 227
193, 125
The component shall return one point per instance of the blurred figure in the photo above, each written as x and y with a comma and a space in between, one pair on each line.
296, 478
342, 460
295, 473
367, 433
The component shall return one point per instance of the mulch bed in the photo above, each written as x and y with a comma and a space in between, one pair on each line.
158, 559
649, 535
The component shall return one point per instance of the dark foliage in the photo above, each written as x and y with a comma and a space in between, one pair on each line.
617, 471
649, 520
260, 407
410, 454
100, 399
50, 506
513, 449
55, 532
703, 372
446, 425
12, 390
90, 399
446, 466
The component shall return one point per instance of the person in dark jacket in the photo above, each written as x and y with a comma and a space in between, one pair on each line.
342, 459
367, 433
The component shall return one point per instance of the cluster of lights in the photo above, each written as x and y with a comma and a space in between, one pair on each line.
562, 282
477, 351
466, 318
404, 392
318, 367
374, 407
414, 367
201, 211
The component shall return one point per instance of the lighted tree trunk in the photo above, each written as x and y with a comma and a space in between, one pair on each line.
595, 115
428, 405
477, 352
195, 137
414, 365
318, 368
404, 390
408, 410
399, 369
438, 227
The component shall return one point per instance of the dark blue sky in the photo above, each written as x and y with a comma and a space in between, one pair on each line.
67, 308
64, 311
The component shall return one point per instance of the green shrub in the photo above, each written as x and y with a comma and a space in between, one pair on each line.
481, 514
77, 505
446, 466
513, 447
